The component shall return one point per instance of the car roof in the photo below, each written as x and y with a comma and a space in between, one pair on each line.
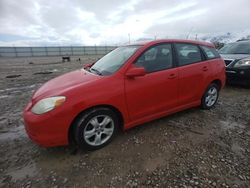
153, 42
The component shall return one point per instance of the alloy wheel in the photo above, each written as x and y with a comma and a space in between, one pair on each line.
211, 97
98, 130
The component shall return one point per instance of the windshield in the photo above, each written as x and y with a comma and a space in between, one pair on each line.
236, 48
111, 62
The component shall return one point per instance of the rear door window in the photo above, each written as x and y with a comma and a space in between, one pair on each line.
188, 54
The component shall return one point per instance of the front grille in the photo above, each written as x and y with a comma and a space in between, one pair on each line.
227, 61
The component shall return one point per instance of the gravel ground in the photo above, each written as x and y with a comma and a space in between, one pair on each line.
193, 148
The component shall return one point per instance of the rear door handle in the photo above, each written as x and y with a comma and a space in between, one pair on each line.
172, 76
204, 68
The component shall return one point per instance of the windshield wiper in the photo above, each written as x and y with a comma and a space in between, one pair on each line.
96, 71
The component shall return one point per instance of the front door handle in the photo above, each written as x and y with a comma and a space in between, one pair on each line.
204, 68
172, 76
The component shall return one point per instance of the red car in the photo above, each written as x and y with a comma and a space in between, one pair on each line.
131, 85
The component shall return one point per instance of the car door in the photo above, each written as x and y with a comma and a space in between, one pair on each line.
157, 91
193, 72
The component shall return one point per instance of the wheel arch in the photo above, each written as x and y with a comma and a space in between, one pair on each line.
217, 82
71, 138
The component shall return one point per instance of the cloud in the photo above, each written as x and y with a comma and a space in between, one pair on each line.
89, 22
217, 17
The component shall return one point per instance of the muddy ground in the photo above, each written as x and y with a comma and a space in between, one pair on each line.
194, 148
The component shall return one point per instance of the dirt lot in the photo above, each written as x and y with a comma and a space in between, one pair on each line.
194, 148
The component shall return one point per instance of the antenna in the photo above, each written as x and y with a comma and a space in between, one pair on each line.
196, 36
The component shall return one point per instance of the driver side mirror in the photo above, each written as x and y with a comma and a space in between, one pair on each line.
135, 72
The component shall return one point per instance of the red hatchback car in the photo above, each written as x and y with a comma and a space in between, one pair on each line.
131, 85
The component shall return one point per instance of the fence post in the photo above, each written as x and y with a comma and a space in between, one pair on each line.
31, 51
60, 51
15, 51
46, 51
106, 49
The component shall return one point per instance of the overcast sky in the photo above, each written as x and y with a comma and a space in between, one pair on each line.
100, 22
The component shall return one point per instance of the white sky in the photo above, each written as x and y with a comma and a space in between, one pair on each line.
101, 22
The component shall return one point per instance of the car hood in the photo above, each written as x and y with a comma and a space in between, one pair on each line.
63, 83
234, 56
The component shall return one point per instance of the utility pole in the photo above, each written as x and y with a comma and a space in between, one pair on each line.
189, 32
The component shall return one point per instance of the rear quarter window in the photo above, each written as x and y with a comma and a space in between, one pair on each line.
210, 52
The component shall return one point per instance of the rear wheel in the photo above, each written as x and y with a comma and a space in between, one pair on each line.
96, 128
210, 96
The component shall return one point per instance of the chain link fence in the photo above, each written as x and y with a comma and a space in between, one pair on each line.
54, 51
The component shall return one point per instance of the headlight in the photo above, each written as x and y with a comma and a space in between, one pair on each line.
243, 62
47, 104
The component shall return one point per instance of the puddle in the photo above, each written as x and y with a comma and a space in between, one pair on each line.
15, 133
152, 164
2, 119
4, 96
200, 135
231, 125
46, 72
22, 173
13, 76
248, 133
237, 149
16, 89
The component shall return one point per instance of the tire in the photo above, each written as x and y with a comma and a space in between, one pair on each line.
210, 97
96, 128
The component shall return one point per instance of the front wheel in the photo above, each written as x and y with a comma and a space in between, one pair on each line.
96, 128
210, 96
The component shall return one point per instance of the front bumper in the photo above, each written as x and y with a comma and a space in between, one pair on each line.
239, 76
48, 129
